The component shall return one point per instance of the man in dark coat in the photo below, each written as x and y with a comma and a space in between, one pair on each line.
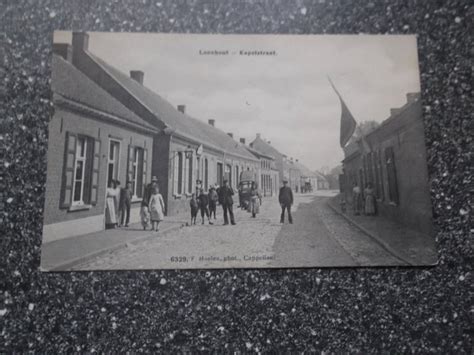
286, 200
225, 199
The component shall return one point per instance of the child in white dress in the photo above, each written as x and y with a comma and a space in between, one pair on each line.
157, 208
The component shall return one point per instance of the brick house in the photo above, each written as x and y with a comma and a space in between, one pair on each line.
269, 176
93, 138
265, 147
393, 158
187, 153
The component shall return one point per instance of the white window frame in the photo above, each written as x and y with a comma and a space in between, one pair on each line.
116, 159
135, 167
76, 160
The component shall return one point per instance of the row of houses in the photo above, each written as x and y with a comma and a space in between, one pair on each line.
108, 126
392, 158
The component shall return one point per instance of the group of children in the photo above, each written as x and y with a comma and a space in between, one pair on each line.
205, 202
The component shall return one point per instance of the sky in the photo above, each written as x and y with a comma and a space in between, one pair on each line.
287, 97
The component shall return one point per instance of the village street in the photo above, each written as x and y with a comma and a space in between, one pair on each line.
318, 237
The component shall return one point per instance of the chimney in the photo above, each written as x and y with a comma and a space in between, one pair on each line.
64, 50
212, 122
242, 140
80, 41
258, 135
137, 75
182, 108
231, 135
412, 97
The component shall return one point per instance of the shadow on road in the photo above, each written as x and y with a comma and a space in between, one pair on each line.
307, 242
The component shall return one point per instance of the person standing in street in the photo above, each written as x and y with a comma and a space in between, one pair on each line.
255, 200
356, 199
369, 206
203, 202
157, 208
225, 199
125, 203
286, 200
144, 210
194, 206
213, 198
110, 210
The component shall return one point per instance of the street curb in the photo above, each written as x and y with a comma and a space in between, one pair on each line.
380, 241
66, 266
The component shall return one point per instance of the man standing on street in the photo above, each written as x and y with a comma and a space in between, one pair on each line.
286, 200
225, 199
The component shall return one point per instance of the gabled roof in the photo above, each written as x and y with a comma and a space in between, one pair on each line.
165, 112
71, 83
260, 145
305, 171
258, 154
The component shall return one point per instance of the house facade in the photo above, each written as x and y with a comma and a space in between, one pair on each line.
266, 148
93, 139
269, 176
392, 158
187, 153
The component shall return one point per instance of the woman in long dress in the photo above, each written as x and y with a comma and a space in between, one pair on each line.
369, 200
110, 202
255, 200
157, 208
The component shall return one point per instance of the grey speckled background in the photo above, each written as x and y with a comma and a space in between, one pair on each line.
397, 310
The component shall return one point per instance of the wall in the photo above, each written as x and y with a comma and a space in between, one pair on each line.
179, 204
63, 121
404, 132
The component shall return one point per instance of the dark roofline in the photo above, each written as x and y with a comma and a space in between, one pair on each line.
258, 153
81, 108
391, 118
177, 132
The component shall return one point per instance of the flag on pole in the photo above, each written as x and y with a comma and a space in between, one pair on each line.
348, 123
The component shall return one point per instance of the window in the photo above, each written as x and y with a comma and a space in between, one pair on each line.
377, 175
381, 177
391, 175
113, 161
237, 177
81, 171
137, 169
220, 174
180, 173
228, 173
206, 174
198, 168
190, 174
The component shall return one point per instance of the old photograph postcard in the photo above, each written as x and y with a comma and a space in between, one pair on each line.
186, 151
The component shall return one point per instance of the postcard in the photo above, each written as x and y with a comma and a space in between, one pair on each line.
193, 151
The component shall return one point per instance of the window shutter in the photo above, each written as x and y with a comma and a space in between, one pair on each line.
175, 173
94, 194
145, 168
184, 176
68, 171
392, 175
88, 170
130, 160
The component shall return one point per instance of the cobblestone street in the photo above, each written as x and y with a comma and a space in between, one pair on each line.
318, 237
